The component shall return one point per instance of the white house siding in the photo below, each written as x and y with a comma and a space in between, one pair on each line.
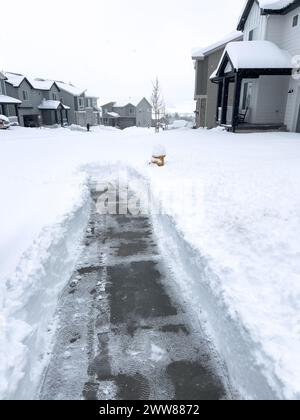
287, 38
257, 22
293, 103
271, 100
280, 31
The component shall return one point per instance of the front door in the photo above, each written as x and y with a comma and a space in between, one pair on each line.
298, 122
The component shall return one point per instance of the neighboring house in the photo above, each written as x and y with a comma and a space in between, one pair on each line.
124, 115
263, 71
83, 106
47, 102
144, 113
7, 103
92, 108
206, 93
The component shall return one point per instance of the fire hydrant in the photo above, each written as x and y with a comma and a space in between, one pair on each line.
159, 155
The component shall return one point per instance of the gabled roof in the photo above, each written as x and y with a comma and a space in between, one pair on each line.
69, 88
15, 79
254, 55
123, 104
144, 100
201, 53
268, 7
41, 84
52, 105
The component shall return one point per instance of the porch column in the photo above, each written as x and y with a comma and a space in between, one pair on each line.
67, 116
61, 118
56, 117
17, 113
5, 110
219, 100
236, 101
225, 94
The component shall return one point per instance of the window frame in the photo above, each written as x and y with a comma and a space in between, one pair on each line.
295, 21
25, 95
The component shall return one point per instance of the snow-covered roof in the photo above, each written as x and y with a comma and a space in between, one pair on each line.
14, 79
257, 55
89, 94
274, 4
200, 53
271, 6
8, 100
113, 114
122, 104
69, 88
41, 84
52, 105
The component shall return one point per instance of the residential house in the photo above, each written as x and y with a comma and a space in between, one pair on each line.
38, 98
92, 108
7, 103
127, 114
47, 102
206, 93
263, 70
83, 105
144, 113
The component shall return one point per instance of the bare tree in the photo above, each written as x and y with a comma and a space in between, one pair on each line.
157, 103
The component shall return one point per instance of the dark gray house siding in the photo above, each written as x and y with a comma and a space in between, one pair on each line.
206, 92
29, 114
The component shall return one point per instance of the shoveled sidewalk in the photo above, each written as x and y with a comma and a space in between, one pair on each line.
123, 333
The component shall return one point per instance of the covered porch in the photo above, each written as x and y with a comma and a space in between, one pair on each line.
54, 112
253, 79
111, 119
6, 103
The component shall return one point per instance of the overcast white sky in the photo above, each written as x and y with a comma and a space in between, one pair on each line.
114, 48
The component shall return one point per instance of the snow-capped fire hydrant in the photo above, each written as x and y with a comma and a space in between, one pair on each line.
159, 155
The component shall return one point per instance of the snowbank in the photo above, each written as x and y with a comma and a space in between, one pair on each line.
178, 124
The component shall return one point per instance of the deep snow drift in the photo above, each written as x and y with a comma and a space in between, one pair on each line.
244, 227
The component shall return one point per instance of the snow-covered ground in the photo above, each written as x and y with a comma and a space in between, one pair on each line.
242, 232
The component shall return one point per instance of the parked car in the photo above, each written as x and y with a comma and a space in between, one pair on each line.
4, 122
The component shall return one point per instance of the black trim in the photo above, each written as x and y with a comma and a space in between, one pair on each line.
244, 17
264, 12
283, 11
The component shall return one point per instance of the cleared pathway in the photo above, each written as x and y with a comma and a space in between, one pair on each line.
122, 331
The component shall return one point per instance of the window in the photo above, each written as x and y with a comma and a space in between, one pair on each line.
54, 96
247, 95
25, 95
251, 35
295, 21
1, 91
80, 103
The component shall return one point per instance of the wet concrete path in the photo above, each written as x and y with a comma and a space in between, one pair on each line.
122, 331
